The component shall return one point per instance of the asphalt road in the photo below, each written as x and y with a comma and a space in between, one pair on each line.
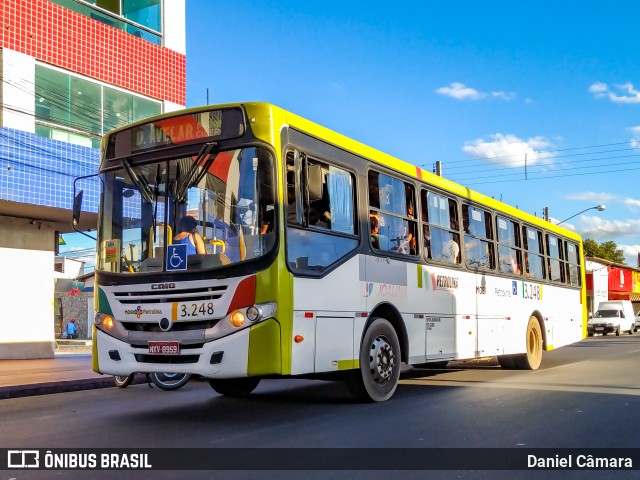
586, 395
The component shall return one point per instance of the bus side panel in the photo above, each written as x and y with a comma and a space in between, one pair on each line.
303, 344
324, 313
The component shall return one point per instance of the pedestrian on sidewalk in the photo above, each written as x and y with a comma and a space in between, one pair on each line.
72, 330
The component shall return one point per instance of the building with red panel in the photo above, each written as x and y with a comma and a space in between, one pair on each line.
71, 71
607, 280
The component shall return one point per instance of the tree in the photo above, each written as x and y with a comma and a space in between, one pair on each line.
605, 250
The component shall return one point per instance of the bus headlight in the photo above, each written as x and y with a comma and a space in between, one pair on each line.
254, 313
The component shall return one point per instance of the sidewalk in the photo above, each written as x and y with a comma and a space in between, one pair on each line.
69, 370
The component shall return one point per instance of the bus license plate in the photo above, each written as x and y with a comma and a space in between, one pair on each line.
164, 348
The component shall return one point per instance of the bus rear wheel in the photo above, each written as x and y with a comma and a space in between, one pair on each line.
533, 358
234, 387
377, 378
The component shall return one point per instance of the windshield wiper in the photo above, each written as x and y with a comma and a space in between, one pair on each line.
197, 163
140, 182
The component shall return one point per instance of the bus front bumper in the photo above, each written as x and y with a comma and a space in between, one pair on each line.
226, 357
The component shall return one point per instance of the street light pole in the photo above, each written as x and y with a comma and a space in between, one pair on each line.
600, 208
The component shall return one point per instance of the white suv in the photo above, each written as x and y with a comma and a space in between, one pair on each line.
636, 325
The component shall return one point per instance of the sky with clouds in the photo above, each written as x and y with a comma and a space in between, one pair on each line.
536, 104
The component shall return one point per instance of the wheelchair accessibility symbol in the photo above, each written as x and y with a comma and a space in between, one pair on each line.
176, 257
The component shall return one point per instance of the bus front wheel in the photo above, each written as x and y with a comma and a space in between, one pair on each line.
377, 378
234, 387
122, 381
533, 358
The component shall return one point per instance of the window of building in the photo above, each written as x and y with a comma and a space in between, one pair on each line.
534, 253
479, 250
143, 12
78, 110
440, 227
392, 203
142, 18
509, 246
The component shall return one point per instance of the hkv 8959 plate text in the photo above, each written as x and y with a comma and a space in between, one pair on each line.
164, 348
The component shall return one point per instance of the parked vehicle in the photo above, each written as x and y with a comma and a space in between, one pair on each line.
165, 381
612, 317
637, 322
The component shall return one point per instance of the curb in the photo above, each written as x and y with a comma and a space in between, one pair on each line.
18, 391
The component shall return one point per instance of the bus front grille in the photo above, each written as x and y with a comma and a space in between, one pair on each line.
175, 327
170, 296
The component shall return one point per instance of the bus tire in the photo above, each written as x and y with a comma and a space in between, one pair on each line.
122, 381
170, 381
432, 365
618, 331
234, 387
377, 378
532, 359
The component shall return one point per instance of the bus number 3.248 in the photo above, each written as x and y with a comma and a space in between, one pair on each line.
533, 292
196, 309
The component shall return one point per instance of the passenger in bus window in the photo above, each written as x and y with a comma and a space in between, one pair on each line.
427, 241
407, 245
375, 240
410, 212
514, 263
450, 251
188, 235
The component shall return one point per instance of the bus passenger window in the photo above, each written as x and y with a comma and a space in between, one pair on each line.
479, 249
440, 227
534, 254
392, 203
555, 255
509, 246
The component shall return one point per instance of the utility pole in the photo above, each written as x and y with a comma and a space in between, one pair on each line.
438, 170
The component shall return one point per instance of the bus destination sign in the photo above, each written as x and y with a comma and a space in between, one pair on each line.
202, 126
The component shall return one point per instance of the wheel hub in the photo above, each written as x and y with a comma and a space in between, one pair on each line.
382, 360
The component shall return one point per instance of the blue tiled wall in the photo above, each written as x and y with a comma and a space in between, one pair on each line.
41, 171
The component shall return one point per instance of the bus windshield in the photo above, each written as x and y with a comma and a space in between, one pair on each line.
220, 204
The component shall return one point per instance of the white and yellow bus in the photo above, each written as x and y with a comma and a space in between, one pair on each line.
312, 255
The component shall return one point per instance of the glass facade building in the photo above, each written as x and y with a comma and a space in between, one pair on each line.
71, 70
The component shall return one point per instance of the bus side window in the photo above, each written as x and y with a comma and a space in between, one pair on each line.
479, 249
573, 264
555, 264
534, 253
323, 206
392, 203
509, 246
440, 227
